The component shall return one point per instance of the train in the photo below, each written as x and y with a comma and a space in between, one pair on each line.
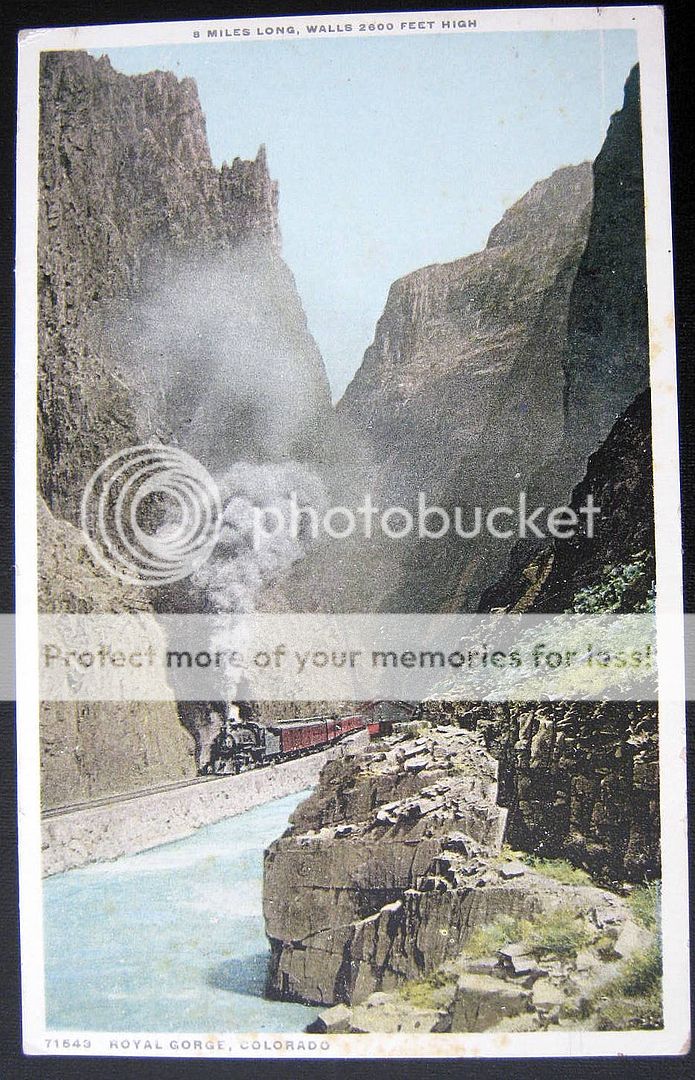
245, 744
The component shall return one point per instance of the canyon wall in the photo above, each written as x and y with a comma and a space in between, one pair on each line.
165, 310
94, 749
131, 208
452, 334
370, 889
486, 374
564, 414
595, 763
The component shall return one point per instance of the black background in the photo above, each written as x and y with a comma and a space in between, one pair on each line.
13, 1064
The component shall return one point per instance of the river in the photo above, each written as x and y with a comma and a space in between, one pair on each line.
170, 939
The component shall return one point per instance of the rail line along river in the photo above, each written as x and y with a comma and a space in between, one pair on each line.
171, 939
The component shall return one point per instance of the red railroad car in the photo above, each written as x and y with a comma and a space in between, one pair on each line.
302, 735
345, 725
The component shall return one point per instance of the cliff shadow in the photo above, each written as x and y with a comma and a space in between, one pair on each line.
242, 975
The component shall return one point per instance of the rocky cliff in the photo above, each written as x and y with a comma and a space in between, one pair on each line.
596, 764
404, 915
165, 313
612, 570
392, 868
451, 335
92, 749
391, 893
131, 212
607, 357
502, 372
344, 902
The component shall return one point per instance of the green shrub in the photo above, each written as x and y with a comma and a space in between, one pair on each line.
560, 870
645, 902
620, 1014
509, 854
422, 993
560, 932
612, 591
633, 999
486, 940
640, 975
605, 947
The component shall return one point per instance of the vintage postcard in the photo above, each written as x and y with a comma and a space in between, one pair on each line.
350, 636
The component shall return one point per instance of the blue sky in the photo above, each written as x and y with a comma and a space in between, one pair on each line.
395, 152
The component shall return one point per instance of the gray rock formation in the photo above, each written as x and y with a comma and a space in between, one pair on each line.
615, 568
132, 212
580, 780
564, 968
351, 892
607, 359
451, 335
595, 763
462, 390
377, 895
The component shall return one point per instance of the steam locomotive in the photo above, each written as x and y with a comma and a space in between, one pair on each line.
246, 744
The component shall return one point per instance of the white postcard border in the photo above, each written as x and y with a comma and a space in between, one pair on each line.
674, 1038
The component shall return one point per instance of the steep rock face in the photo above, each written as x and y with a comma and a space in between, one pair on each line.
92, 749
579, 780
165, 313
386, 873
607, 359
467, 373
594, 764
502, 372
604, 355
450, 336
613, 569
345, 906
128, 193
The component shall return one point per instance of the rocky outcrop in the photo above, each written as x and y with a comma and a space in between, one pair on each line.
581, 779
581, 962
390, 874
346, 907
607, 359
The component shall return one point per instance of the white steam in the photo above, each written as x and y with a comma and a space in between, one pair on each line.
223, 366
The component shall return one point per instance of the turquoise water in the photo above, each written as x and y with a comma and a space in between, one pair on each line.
168, 940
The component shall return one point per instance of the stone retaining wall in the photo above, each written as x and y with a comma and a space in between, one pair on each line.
97, 833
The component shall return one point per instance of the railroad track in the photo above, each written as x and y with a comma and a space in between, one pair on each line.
131, 796
143, 793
